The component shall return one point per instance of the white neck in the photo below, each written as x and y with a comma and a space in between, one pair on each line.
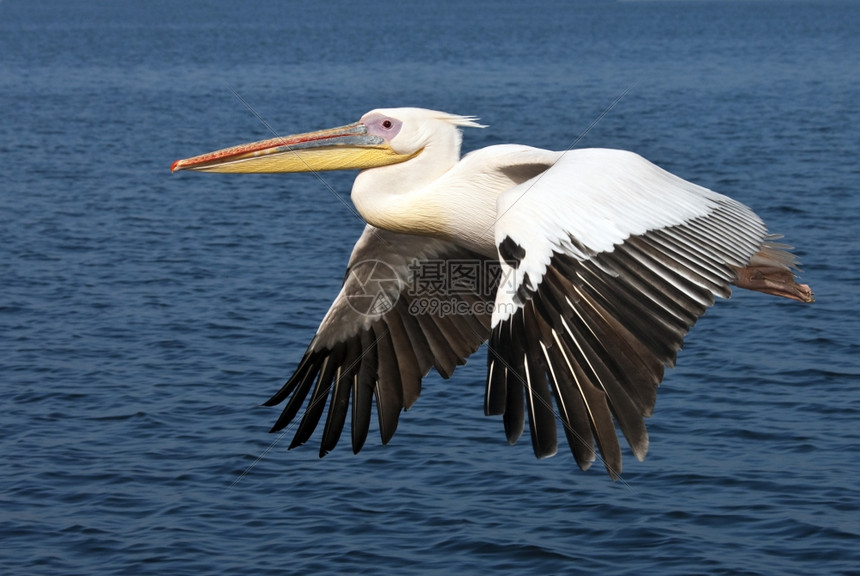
428, 196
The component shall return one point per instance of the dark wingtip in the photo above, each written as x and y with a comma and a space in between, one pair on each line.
295, 443
273, 401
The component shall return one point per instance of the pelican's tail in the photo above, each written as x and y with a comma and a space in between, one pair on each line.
772, 271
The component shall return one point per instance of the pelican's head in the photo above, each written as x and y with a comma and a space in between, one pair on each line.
380, 138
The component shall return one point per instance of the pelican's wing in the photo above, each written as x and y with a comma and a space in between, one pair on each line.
607, 262
393, 320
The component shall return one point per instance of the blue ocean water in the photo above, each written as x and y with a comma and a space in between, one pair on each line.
145, 316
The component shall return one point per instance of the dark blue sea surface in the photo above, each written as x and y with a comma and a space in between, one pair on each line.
145, 316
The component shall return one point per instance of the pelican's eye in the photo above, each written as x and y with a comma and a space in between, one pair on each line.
382, 126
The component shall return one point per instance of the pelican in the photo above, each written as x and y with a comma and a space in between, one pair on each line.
584, 269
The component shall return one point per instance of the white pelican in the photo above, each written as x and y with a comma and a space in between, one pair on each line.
588, 267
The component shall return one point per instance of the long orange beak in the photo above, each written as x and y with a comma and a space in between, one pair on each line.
345, 148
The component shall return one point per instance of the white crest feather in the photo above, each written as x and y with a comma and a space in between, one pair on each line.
464, 121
